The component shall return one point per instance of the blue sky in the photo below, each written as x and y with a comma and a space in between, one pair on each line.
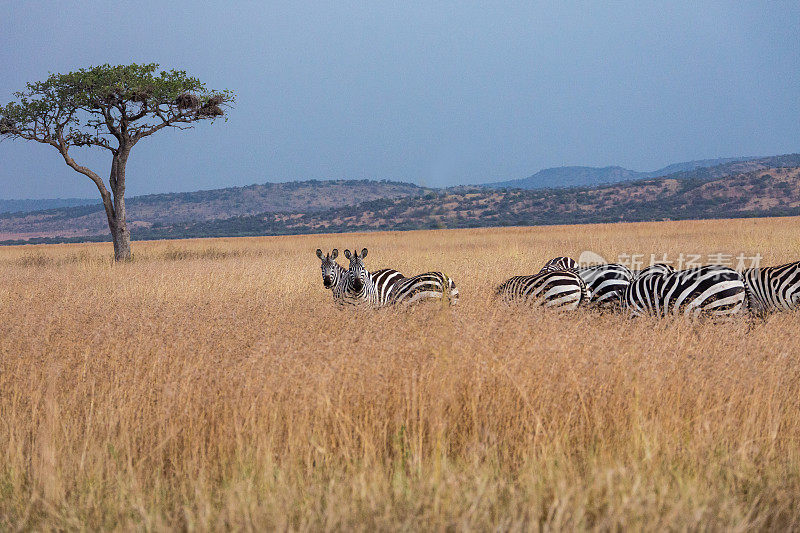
431, 92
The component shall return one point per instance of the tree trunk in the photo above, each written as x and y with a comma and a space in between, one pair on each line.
119, 228
122, 242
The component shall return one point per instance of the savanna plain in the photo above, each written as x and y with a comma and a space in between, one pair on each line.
213, 384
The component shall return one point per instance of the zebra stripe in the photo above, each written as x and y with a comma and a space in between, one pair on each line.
711, 290
561, 289
559, 263
361, 286
658, 268
427, 286
606, 283
773, 288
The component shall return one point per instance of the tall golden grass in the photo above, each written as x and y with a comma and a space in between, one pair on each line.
212, 384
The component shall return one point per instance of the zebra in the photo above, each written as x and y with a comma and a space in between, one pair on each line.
380, 291
334, 276
773, 288
561, 289
605, 282
559, 263
712, 290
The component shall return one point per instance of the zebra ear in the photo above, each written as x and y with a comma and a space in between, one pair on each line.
319, 253
363, 253
347, 254
334, 253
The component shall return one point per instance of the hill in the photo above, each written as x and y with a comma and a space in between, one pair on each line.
25, 206
570, 177
773, 191
766, 192
693, 165
761, 187
562, 177
190, 207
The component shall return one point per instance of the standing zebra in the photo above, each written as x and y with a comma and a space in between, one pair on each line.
605, 283
712, 290
379, 291
561, 289
334, 276
773, 288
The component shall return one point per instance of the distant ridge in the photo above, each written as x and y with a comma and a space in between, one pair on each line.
297, 195
768, 186
738, 189
558, 177
693, 165
26, 206
575, 176
190, 207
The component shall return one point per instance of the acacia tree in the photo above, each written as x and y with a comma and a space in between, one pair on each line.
111, 108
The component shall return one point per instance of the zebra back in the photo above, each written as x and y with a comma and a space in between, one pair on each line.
711, 290
559, 263
658, 268
427, 286
383, 282
561, 289
606, 283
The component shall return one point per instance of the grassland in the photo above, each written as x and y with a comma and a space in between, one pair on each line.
212, 384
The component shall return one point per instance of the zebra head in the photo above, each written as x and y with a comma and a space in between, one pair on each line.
330, 268
357, 274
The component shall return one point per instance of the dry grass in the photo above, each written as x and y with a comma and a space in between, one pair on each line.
213, 385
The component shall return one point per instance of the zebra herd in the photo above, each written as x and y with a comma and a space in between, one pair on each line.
357, 285
658, 290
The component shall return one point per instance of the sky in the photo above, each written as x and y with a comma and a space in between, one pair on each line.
435, 93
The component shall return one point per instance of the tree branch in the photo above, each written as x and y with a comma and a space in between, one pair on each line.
181, 117
63, 149
142, 112
106, 111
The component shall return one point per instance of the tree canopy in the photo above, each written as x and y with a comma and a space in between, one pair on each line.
100, 105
